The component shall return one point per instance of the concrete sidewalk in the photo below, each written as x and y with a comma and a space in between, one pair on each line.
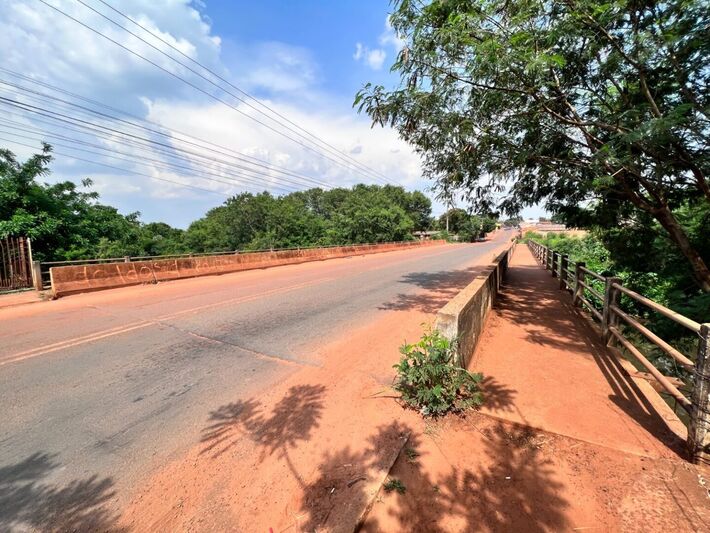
565, 441
562, 378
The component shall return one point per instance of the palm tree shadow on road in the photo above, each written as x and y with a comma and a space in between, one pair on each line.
29, 502
291, 421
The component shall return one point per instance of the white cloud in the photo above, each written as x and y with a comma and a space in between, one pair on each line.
43, 44
275, 67
372, 58
380, 149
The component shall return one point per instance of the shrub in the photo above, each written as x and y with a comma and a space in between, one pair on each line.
394, 485
429, 380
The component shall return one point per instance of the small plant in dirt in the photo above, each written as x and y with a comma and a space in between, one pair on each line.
394, 484
411, 454
429, 380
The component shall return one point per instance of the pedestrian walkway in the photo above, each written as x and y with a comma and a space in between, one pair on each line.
564, 380
566, 439
13, 299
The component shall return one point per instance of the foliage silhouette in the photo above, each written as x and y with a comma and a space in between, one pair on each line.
26, 501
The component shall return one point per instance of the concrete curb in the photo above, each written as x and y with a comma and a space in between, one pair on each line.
376, 487
464, 317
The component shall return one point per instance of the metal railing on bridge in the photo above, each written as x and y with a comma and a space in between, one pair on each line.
601, 296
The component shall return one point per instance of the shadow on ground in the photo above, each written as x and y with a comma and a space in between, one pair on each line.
530, 298
513, 489
439, 289
291, 421
497, 396
27, 502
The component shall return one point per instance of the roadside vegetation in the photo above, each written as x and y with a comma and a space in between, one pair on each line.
466, 226
596, 110
67, 221
429, 380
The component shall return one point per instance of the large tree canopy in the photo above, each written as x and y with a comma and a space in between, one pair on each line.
365, 213
65, 221
597, 109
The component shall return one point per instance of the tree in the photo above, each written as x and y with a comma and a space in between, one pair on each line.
454, 220
67, 223
571, 103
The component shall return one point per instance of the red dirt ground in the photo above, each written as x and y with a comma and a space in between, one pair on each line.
311, 453
566, 441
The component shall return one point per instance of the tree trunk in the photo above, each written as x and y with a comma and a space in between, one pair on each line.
700, 269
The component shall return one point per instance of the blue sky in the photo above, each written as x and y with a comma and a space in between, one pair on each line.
306, 59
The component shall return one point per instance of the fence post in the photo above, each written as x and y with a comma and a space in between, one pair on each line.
547, 257
37, 276
699, 426
126, 259
578, 280
611, 297
564, 262
555, 261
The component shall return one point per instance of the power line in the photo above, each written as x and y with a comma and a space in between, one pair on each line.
98, 129
236, 155
187, 82
112, 154
121, 169
249, 179
241, 91
211, 146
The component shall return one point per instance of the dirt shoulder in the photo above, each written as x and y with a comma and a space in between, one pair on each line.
311, 453
308, 454
565, 441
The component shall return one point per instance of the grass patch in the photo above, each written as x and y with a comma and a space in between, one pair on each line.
411, 454
394, 485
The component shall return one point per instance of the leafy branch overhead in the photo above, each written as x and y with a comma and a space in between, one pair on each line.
599, 110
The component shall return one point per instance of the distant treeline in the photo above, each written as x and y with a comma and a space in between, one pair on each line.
66, 221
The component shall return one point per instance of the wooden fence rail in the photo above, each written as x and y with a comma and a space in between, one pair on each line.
603, 304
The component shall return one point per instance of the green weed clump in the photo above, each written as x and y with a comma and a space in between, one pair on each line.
394, 485
429, 380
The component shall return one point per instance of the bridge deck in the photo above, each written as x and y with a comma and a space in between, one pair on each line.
566, 440
563, 378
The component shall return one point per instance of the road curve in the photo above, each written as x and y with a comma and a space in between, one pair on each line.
100, 389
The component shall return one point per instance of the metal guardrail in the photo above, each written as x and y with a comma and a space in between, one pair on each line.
601, 295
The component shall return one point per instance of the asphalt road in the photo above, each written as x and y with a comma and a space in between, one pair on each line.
96, 390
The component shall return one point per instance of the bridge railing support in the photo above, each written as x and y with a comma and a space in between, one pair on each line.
615, 323
555, 260
564, 264
578, 290
699, 425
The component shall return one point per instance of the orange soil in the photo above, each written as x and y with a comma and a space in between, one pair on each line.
311, 453
308, 454
566, 441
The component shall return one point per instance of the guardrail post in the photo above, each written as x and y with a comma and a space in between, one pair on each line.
37, 276
555, 261
611, 297
126, 259
578, 280
699, 426
564, 262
